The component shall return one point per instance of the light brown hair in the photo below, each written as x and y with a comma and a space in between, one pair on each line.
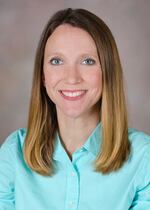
42, 120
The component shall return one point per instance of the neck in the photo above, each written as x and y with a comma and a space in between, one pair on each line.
74, 132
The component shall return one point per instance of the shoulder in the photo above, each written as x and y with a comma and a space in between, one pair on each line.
140, 144
140, 154
11, 154
15, 140
139, 140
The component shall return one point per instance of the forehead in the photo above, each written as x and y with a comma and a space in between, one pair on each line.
67, 36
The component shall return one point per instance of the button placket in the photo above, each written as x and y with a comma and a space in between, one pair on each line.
72, 189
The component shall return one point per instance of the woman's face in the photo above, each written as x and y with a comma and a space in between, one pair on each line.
72, 72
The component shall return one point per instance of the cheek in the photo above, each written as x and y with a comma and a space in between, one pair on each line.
50, 79
95, 80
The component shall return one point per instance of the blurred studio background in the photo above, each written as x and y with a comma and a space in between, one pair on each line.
21, 24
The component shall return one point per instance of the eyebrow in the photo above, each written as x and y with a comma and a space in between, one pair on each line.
55, 53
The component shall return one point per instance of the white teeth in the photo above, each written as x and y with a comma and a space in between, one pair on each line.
73, 94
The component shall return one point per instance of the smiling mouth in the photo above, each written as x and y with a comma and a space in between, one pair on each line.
72, 94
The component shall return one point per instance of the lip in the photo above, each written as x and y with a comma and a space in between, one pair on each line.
72, 91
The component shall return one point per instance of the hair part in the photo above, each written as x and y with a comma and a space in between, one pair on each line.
42, 119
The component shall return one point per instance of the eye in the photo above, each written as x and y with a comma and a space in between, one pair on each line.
56, 61
89, 61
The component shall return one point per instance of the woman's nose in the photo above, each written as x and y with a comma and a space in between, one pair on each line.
73, 75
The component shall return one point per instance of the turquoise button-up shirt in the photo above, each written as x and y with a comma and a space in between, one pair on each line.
75, 185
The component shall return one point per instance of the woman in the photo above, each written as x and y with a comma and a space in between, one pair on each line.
77, 151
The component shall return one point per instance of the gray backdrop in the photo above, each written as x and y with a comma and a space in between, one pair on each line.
21, 23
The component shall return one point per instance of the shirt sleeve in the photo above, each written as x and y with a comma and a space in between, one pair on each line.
7, 201
142, 198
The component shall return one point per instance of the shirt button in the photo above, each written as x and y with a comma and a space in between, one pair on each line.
71, 204
72, 173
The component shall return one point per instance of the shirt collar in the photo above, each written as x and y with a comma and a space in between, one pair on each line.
92, 144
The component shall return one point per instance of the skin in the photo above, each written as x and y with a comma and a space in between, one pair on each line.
71, 63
